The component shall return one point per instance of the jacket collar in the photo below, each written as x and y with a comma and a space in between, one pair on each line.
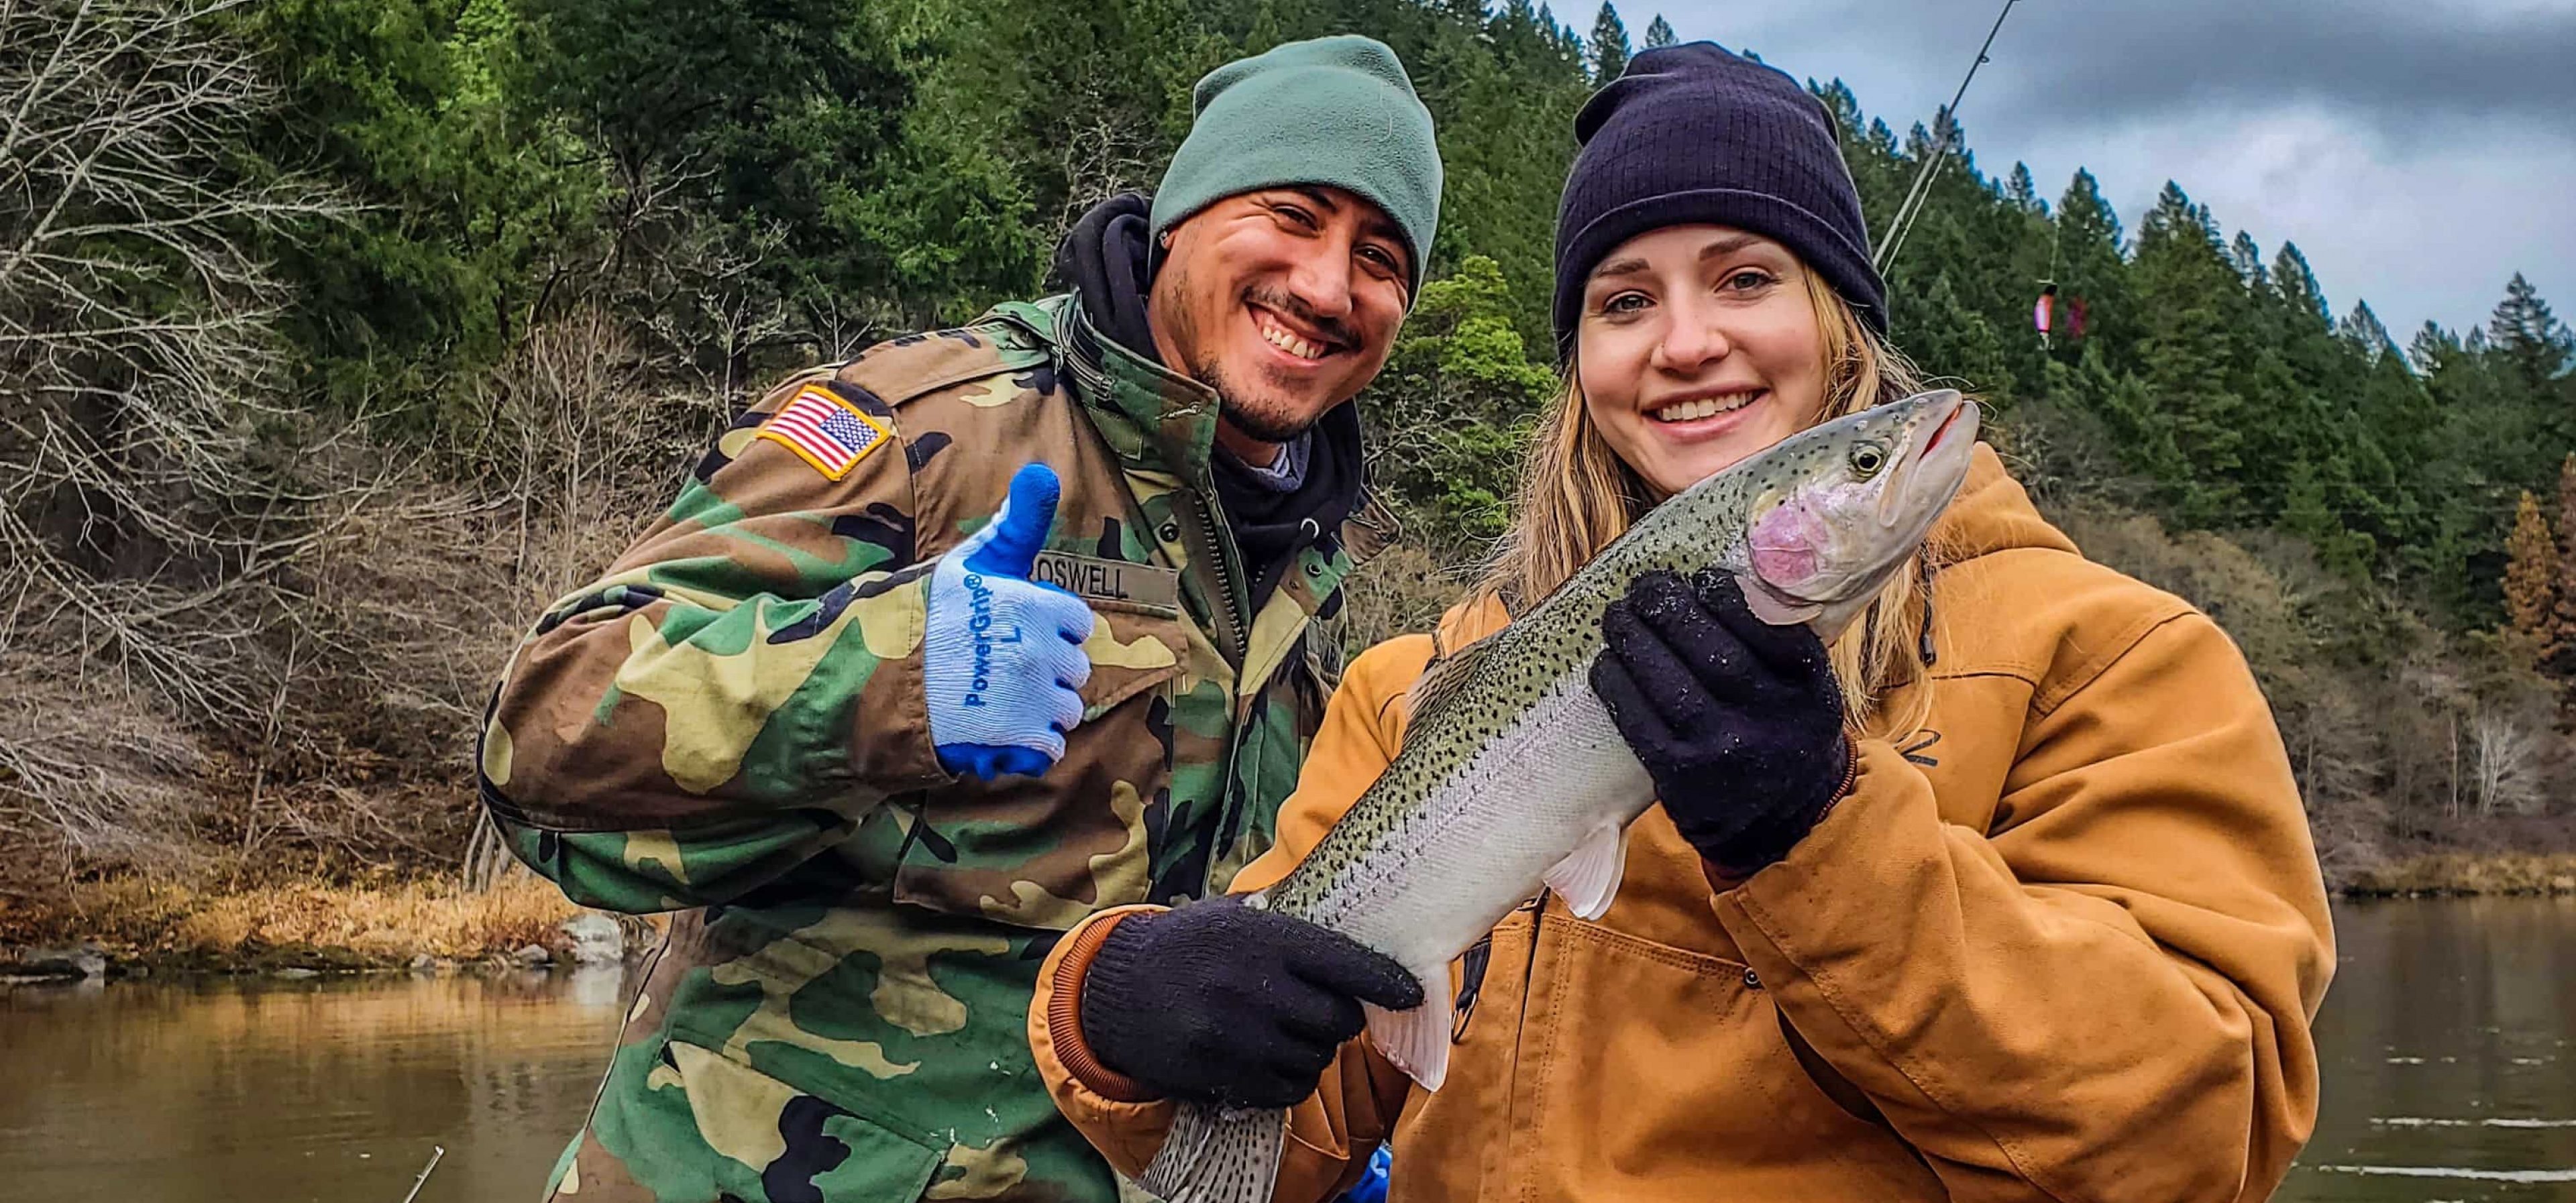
1153, 418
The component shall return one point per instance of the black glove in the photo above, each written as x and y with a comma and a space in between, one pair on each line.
1739, 722
1220, 1003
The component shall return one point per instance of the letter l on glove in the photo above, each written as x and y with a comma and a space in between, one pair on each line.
1002, 657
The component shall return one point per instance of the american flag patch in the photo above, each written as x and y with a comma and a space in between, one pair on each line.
825, 431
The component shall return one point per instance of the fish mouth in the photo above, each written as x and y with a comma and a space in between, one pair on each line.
1941, 440
1782, 598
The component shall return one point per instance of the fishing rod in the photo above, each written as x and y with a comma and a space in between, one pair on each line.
435, 1153
1922, 190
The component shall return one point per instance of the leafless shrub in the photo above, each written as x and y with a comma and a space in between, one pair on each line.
1401, 591
583, 441
152, 510
2509, 762
88, 774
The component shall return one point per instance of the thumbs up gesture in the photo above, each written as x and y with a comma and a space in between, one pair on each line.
1002, 655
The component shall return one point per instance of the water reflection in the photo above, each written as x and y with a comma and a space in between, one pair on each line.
2449, 1045
281, 1091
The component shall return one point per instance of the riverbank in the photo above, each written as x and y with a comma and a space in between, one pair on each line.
2465, 874
123, 926
133, 924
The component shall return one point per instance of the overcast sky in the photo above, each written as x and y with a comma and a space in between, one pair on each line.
2418, 152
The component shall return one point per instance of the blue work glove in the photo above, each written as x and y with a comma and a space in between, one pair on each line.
1003, 656
1371, 1188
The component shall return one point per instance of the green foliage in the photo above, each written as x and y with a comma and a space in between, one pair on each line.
814, 174
473, 200
734, 184
770, 118
1609, 45
1453, 409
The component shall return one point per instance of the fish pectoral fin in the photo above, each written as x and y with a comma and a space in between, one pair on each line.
1588, 878
1769, 607
1416, 1041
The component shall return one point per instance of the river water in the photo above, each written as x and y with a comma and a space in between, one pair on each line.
2449, 1042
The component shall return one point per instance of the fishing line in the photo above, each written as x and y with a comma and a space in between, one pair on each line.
1916, 196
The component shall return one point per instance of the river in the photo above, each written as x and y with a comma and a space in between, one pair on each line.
2449, 1042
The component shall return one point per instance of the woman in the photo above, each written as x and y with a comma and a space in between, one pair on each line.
2041, 921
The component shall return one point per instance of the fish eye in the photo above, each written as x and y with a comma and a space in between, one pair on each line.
1867, 459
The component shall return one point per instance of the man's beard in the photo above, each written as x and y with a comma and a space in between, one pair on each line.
1264, 419
1268, 423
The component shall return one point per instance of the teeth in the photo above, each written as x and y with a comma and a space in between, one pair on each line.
1692, 411
1290, 343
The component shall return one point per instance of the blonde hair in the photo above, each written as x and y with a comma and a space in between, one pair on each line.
1577, 496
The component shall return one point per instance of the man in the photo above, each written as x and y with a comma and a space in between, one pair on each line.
891, 734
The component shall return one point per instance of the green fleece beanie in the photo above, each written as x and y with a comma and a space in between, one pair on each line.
1335, 111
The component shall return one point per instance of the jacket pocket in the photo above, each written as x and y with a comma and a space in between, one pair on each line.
732, 1132
1134, 647
1649, 1071
1046, 852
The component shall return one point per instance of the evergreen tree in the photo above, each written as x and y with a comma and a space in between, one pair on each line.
2296, 286
2529, 336
2432, 349
2531, 587
2560, 660
2247, 258
2188, 289
421, 111
2308, 511
1659, 34
2093, 272
1609, 45
764, 118
2364, 333
2023, 191
1457, 397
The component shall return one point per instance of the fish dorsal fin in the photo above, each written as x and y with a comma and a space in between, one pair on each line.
1443, 679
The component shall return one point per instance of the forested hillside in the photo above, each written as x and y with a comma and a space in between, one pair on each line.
339, 336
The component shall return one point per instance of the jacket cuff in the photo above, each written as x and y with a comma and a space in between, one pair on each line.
1127, 1134
1721, 879
1064, 1016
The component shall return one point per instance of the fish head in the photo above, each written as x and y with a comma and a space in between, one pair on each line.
1841, 505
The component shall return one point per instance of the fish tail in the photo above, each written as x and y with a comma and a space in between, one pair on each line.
1218, 1155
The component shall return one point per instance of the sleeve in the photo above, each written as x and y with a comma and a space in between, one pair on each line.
736, 693
2107, 998
1331, 1135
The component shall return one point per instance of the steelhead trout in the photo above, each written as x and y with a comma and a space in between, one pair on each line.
1512, 777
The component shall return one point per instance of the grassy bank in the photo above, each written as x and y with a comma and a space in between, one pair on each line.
170, 925
2468, 873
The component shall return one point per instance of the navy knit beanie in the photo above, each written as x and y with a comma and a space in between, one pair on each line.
1693, 134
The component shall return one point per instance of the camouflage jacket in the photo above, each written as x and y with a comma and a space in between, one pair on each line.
731, 719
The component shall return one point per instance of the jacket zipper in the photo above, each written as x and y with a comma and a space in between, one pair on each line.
1230, 619
1230, 626
1227, 613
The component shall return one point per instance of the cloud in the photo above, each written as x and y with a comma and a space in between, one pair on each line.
2419, 154
2406, 70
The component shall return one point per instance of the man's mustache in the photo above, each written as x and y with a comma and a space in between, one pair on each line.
1335, 330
